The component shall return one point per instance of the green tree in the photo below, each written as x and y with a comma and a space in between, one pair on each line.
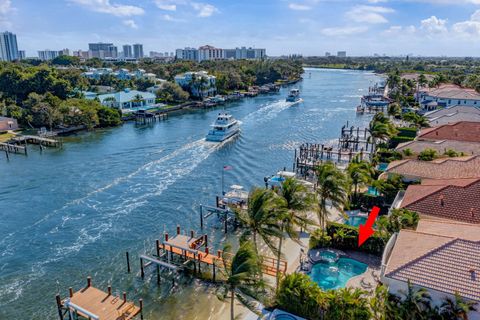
360, 173
457, 308
172, 92
427, 155
346, 304
262, 216
331, 188
242, 271
415, 303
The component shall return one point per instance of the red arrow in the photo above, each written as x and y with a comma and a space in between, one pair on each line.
365, 231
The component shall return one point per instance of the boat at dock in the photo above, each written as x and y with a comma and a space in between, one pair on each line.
294, 96
224, 127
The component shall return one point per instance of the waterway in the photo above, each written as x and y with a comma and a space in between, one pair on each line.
70, 213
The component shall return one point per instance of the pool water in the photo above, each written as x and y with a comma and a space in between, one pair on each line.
329, 256
335, 275
355, 221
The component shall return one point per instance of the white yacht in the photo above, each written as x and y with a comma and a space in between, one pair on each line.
294, 96
224, 127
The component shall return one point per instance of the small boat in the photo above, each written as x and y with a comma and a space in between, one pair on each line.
294, 96
224, 127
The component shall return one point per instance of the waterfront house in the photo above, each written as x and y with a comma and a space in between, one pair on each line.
448, 95
8, 124
440, 146
452, 115
443, 257
127, 99
459, 131
452, 199
446, 168
198, 84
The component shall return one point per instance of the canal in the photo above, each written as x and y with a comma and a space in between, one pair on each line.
66, 214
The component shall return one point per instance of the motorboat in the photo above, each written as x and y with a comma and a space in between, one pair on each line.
224, 127
294, 96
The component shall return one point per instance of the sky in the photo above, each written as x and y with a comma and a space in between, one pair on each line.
308, 27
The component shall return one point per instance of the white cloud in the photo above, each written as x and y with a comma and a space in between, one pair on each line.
204, 9
400, 30
368, 14
299, 7
376, 1
342, 31
169, 5
470, 27
434, 25
130, 23
104, 6
5, 10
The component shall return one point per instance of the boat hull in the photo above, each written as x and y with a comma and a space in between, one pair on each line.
221, 137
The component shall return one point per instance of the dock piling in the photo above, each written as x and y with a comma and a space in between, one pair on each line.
59, 306
128, 261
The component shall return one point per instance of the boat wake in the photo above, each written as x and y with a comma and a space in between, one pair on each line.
267, 112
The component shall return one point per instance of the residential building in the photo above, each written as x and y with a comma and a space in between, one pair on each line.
138, 51
64, 52
342, 54
82, 54
127, 99
453, 114
440, 146
155, 54
21, 54
459, 131
210, 53
452, 199
447, 95
47, 54
442, 257
327, 54
190, 54
8, 124
8, 46
102, 50
127, 51
447, 168
199, 84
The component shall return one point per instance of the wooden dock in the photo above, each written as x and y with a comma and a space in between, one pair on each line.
149, 117
95, 304
196, 249
13, 148
42, 141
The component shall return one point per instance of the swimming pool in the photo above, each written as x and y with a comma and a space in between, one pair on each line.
355, 221
336, 275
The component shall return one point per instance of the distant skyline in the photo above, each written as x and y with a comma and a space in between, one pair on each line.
308, 27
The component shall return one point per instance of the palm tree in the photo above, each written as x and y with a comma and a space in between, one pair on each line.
262, 217
297, 200
380, 128
243, 271
457, 308
331, 187
415, 302
360, 173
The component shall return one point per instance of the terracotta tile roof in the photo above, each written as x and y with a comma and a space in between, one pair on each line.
451, 111
449, 168
460, 131
450, 228
456, 117
451, 91
453, 266
456, 200
408, 247
417, 146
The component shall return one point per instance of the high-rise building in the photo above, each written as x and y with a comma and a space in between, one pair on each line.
127, 51
47, 54
342, 54
8, 46
327, 54
138, 51
187, 54
102, 50
21, 54
64, 52
210, 53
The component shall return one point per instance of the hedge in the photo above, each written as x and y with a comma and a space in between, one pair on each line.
395, 141
345, 237
407, 132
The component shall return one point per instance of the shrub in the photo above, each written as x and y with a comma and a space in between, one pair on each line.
407, 132
427, 155
452, 153
407, 152
396, 140
319, 239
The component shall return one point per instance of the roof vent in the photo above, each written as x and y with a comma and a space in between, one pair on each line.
472, 213
442, 202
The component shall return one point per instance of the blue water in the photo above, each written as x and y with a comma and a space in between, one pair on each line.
335, 275
70, 213
355, 221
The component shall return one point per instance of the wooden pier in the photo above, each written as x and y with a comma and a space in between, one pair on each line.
174, 253
355, 139
143, 117
42, 141
92, 303
13, 148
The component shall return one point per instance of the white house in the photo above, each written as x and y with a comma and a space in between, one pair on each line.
127, 99
443, 257
447, 95
199, 84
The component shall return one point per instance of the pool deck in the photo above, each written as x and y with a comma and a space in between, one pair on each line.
366, 281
